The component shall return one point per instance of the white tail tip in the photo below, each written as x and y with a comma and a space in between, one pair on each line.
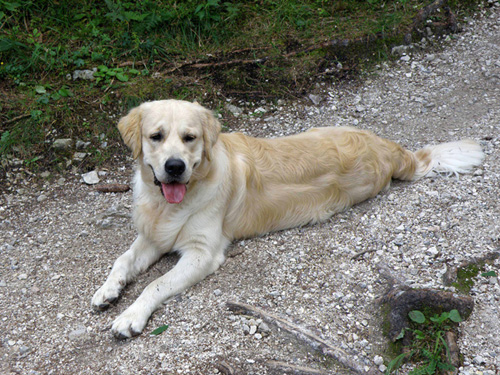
448, 158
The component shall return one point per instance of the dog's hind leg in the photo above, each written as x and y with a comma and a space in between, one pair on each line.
136, 260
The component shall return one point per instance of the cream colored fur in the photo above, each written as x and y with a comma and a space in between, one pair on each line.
239, 186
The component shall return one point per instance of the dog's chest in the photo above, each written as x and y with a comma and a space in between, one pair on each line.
159, 223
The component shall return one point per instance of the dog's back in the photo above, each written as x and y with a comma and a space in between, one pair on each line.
306, 178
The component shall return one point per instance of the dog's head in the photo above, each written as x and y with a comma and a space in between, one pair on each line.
173, 138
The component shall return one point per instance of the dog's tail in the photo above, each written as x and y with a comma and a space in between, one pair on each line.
449, 158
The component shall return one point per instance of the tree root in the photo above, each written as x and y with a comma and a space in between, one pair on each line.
328, 348
450, 275
402, 300
427, 11
226, 368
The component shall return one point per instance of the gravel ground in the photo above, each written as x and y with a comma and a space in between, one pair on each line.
59, 237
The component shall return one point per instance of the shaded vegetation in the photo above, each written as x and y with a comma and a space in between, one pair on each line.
161, 49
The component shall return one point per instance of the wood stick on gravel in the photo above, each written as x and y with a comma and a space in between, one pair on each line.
328, 348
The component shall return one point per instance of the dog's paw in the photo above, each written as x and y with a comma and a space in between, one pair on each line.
130, 323
104, 297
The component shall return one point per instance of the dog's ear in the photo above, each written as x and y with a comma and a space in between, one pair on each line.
211, 130
130, 129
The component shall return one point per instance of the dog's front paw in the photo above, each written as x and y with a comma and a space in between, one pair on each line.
130, 323
105, 296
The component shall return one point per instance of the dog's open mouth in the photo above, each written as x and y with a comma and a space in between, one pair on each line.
173, 192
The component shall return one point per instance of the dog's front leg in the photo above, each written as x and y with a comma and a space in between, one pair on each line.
198, 260
136, 260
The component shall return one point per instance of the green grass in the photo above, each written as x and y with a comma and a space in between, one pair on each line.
136, 48
427, 344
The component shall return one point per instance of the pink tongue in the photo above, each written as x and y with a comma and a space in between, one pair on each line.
173, 193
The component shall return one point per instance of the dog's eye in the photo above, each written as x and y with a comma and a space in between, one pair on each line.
156, 137
189, 138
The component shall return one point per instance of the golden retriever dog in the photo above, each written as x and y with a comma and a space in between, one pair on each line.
196, 190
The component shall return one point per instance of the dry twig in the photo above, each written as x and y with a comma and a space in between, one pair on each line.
326, 347
112, 188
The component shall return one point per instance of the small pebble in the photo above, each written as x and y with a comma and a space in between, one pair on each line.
263, 327
478, 360
41, 198
378, 360
23, 350
246, 329
253, 329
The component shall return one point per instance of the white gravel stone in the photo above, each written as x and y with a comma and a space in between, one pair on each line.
378, 360
91, 178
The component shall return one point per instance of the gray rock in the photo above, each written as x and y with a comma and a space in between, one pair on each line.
236, 111
253, 329
63, 144
246, 329
90, 178
430, 57
80, 145
433, 251
86, 74
217, 292
378, 360
316, 99
479, 360
41, 198
399, 240
79, 156
259, 111
23, 350
263, 328
77, 333
399, 50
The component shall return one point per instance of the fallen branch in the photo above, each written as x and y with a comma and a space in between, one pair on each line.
328, 348
112, 188
17, 118
454, 352
201, 65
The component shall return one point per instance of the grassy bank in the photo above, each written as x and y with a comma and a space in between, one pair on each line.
205, 50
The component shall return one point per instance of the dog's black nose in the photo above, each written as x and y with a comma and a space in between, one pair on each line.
175, 167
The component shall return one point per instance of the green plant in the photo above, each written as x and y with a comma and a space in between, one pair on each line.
106, 75
159, 330
428, 346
